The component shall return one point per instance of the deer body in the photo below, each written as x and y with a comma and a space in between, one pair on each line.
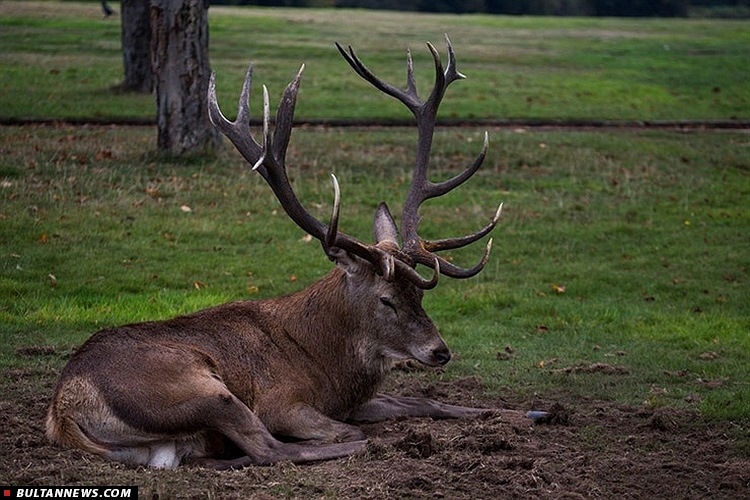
217, 387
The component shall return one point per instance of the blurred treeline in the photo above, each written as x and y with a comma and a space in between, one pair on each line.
617, 8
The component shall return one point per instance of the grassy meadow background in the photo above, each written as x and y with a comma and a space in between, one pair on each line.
62, 59
619, 269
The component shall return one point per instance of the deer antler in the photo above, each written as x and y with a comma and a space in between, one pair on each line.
268, 157
419, 250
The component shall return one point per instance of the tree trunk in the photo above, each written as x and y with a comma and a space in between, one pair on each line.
181, 74
136, 45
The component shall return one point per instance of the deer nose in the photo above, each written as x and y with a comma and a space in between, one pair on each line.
442, 355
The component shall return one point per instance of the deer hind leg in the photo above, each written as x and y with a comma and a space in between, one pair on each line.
79, 417
155, 420
160, 454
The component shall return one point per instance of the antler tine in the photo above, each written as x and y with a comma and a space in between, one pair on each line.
414, 277
451, 73
238, 131
408, 98
265, 145
448, 268
442, 78
333, 225
439, 189
411, 83
452, 243
438, 89
284, 115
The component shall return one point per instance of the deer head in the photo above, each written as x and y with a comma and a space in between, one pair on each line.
389, 257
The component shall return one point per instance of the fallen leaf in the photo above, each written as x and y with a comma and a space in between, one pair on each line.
542, 328
710, 384
558, 288
199, 285
52, 280
615, 353
546, 362
105, 153
44, 238
186, 208
708, 356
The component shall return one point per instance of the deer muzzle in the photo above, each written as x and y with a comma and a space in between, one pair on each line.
436, 354
442, 355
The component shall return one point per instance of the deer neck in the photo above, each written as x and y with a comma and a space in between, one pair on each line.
332, 328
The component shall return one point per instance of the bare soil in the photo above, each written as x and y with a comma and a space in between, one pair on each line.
586, 449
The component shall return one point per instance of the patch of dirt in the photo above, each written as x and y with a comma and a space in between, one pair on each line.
594, 368
586, 449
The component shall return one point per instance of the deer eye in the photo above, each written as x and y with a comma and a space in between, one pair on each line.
386, 302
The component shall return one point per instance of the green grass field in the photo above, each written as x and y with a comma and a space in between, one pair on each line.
61, 60
625, 249
620, 267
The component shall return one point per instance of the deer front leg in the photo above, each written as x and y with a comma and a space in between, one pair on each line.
242, 426
302, 421
383, 407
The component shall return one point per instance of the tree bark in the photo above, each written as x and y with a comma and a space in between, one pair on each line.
181, 73
136, 45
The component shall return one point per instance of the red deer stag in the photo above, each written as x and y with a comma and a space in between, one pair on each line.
303, 367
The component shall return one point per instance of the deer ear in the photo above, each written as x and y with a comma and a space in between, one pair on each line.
349, 262
384, 228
